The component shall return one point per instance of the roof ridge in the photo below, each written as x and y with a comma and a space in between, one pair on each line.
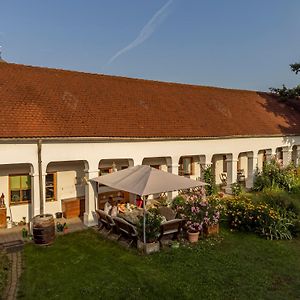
134, 78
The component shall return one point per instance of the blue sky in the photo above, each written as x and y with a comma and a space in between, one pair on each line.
229, 43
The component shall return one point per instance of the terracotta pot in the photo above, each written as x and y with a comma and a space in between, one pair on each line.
193, 237
211, 230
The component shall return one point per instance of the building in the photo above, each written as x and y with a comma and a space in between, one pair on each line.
63, 128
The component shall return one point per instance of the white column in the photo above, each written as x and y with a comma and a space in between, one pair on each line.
252, 169
35, 195
270, 153
208, 160
196, 168
91, 198
173, 168
232, 161
205, 162
287, 155
138, 161
297, 158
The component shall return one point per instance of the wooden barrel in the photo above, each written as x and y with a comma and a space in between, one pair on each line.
43, 228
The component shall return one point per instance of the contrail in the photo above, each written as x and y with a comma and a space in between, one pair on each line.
146, 32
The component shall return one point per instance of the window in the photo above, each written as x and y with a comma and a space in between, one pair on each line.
155, 167
20, 189
185, 166
51, 187
105, 171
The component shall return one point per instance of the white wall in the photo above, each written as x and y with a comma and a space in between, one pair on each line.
68, 186
93, 151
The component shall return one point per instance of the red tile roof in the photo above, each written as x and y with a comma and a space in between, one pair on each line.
42, 102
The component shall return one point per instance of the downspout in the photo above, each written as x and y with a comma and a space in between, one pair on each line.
39, 145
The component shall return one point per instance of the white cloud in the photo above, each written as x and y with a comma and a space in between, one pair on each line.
146, 31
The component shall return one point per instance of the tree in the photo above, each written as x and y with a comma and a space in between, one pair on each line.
285, 93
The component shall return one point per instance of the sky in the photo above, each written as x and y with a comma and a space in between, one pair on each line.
238, 44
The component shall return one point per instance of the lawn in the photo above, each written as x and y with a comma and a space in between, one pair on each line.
236, 266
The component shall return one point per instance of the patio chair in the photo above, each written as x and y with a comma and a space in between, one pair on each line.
110, 223
102, 222
170, 228
223, 178
105, 221
125, 229
167, 212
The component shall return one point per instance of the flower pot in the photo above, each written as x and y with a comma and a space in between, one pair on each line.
58, 215
211, 230
193, 237
148, 248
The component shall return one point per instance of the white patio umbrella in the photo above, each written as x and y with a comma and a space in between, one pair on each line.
143, 181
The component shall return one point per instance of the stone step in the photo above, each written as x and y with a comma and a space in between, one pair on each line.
12, 246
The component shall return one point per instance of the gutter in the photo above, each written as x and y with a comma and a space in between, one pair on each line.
134, 139
39, 148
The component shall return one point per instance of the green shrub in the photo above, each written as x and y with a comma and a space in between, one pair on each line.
279, 199
236, 189
271, 222
279, 230
152, 228
209, 178
178, 201
275, 176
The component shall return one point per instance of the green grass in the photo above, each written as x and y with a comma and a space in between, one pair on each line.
236, 266
3, 271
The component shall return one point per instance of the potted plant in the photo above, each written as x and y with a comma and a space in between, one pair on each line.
152, 229
211, 221
66, 228
193, 231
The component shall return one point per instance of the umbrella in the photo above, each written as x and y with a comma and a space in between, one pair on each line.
143, 181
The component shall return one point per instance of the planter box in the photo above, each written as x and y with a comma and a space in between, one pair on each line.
211, 230
2, 217
148, 248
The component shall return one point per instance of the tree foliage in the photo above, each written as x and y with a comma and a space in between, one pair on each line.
288, 93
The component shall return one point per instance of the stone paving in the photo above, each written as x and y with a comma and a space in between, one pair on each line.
15, 258
15, 233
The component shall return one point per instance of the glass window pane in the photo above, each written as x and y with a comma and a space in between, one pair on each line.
50, 187
15, 196
25, 182
187, 165
49, 180
26, 195
15, 183
50, 194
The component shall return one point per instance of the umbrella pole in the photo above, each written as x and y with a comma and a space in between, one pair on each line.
144, 225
